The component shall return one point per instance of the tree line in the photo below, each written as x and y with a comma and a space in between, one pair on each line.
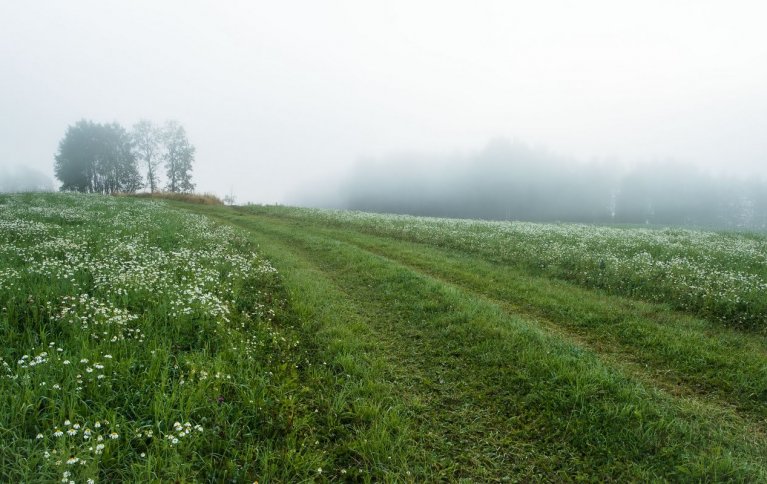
106, 158
511, 181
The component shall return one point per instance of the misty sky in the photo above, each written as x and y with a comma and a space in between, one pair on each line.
278, 94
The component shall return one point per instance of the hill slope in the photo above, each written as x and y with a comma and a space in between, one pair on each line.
369, 348
504, 368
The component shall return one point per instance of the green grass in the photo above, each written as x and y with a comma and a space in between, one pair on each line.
201, 198
716, 275
179, 321
369, 348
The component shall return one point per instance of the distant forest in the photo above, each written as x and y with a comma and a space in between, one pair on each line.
20, 178
510, 181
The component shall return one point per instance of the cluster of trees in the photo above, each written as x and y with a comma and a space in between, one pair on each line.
107, 158
510, 181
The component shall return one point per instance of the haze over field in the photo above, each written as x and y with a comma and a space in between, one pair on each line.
512, 181
285, 101
549, 262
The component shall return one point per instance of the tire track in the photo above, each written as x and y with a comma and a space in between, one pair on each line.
479, 376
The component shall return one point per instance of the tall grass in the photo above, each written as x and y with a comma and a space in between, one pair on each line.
143, 344
718, 275
200, 198
497, 393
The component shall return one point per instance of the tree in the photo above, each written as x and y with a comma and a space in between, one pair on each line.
230, 199
116, 166
76, 159
178, 156
146, 143
97, 158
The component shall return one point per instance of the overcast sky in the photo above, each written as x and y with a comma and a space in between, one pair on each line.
277, 94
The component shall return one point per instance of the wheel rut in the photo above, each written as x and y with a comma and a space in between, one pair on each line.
619, 351
472, 397
612, 353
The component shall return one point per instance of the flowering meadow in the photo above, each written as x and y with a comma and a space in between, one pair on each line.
503, 365
140, 343
717, 275
152, 341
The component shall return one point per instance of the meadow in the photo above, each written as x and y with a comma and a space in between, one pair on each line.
721, 275
141, 343
161, 340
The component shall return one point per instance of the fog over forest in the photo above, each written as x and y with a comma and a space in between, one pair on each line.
20, 178
391, 106
512, 181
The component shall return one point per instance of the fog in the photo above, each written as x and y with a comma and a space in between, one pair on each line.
285, 99
23, 179
512, 181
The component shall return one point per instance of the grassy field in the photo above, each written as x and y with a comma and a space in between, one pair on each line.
278, 344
